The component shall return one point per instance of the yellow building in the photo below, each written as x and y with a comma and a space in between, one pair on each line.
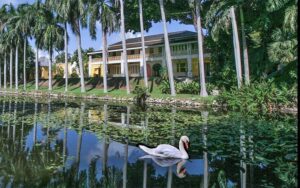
43, 67
184, 52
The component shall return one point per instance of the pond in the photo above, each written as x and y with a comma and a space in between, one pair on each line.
46, 143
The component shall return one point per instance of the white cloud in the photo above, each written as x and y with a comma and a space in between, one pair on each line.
132, 35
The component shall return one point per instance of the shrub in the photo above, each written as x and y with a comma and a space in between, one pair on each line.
74, 75
263, 97
141, 94
188, 88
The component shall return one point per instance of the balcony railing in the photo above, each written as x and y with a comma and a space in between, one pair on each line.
133, 56
137, 56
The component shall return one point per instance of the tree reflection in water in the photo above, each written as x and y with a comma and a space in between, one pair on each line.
48, 144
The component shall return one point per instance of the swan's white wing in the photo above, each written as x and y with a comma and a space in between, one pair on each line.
165, 150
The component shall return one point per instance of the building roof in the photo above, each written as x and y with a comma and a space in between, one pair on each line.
153, 40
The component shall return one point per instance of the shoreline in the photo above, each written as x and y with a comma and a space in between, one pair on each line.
169, 101
184, 103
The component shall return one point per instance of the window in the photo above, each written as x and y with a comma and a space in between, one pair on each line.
134, 68
151, 50
160, 49
194, 46
131, 52
181, 67
114, 69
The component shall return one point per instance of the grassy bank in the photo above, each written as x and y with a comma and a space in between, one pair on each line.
116, 88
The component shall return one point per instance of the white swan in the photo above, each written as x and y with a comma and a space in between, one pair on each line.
168, 151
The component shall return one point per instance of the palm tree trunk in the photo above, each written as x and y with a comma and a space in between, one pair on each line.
124, 46
143, 43
104, 58
167, 48
203, 91
245, 49
24, 66
37, 69
16, 69
66, 58
78, 39
10, 68
236, 45
5, 70
50, 72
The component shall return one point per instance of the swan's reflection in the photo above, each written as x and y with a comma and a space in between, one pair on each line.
169, 162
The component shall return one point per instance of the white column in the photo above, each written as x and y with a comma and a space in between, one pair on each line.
122, 65
163, 63
141, 64
123, 118
90, 61
189, 61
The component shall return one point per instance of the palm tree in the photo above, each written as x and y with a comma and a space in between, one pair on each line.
38, 30
10, 36
23, 21
103, 12
236, 44
167, 48
219, 16
143, 43
245, 48
63, 8
196, 4
52, 38
124, 56
78, 19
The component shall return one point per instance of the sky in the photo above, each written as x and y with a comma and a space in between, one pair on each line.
87, 42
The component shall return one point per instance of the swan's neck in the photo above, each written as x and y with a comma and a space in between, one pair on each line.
182, 150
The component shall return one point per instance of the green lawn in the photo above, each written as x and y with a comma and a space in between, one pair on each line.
74, 89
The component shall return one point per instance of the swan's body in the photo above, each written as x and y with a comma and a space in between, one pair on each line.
168, 151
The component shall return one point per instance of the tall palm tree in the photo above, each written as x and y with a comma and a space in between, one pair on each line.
143, 43
63, 9
219, 16
10, 37
196, 4
78, 18
236, 45
124, 56
37, 31
53, 38
167, 48
245, 48
102, 11
23, 21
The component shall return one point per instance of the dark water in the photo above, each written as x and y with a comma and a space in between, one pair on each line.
84, 144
